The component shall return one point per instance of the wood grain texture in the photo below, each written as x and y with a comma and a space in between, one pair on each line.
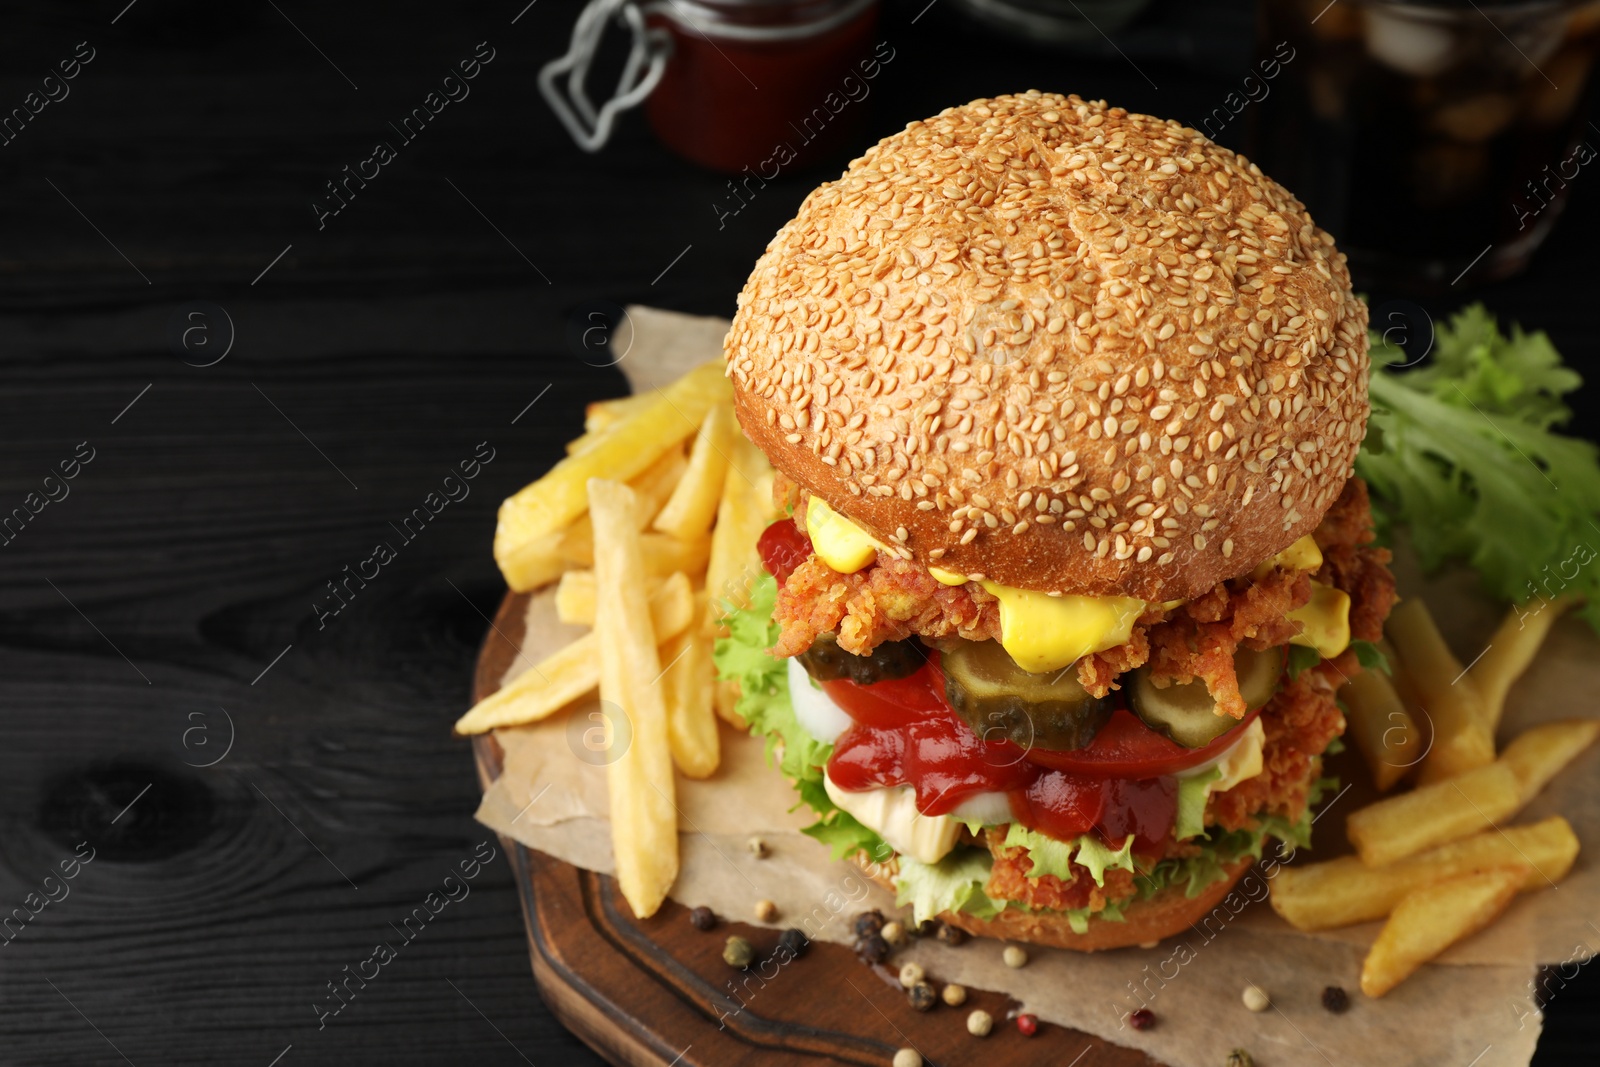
656, 992
396, 338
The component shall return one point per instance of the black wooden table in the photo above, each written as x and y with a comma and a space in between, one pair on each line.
261, 772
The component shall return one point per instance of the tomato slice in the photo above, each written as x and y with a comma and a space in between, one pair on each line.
1126, 748
783, 548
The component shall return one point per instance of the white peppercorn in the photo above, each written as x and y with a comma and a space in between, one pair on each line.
979, 1023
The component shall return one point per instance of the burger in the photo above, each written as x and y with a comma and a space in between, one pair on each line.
1062, 403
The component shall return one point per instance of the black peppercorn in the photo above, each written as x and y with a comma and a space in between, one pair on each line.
794, 942
1335, 999
925, 928
872, 948
702, 918
950, 935
1142, 1019
869, 923
923, 998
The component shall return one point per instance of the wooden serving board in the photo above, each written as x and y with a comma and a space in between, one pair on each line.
656, 993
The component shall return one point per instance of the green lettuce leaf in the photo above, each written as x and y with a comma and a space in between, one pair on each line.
953, 884
1302, 658
1047, 855
1192, 794
1461, 451
1370, 656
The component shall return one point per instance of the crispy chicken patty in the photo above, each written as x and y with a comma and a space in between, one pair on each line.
893, 599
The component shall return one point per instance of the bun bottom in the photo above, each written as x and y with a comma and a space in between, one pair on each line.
1168, 912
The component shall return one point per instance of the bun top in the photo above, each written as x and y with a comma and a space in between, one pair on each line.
1060, 346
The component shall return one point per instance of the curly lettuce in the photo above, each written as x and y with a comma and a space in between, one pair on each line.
1463, 452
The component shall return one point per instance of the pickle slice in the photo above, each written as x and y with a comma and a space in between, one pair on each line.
827, 662
999, 699
1187, 713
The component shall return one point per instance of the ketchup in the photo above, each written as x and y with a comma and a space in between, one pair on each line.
783, 548
905, 733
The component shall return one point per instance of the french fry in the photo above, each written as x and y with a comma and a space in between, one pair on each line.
688, 513
691, 719
1538, 753
542, 560
1431, 919
1510, 651
603, 414
575, 596
1432, 815
725, 698
655, 486
745, 511
630, 446
535, 563
1461, 739
1383, 730
1345, 891
574, 670
662, 554
639, 783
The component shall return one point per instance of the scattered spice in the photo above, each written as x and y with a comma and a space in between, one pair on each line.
766, 910
893, 933
1015, 956
1240, 1057
1027, 1025
908, 1057
925, 928
1142, 1019
1256, 999
758, 848
911, 974
869, 923
702, 918
1335, 999
794, 941
979, 1023
954, 995
922, 996
872, 949
949, 934
738, 953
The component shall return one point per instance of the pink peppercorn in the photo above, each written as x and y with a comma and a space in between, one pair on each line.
1028, 1025
1143, 1019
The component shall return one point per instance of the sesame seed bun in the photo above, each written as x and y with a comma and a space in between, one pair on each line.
1166, 913
1060, 346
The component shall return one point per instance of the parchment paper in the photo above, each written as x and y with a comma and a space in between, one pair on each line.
1473, 1006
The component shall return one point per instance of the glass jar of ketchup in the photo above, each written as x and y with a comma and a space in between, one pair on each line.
734, 85
763, 83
